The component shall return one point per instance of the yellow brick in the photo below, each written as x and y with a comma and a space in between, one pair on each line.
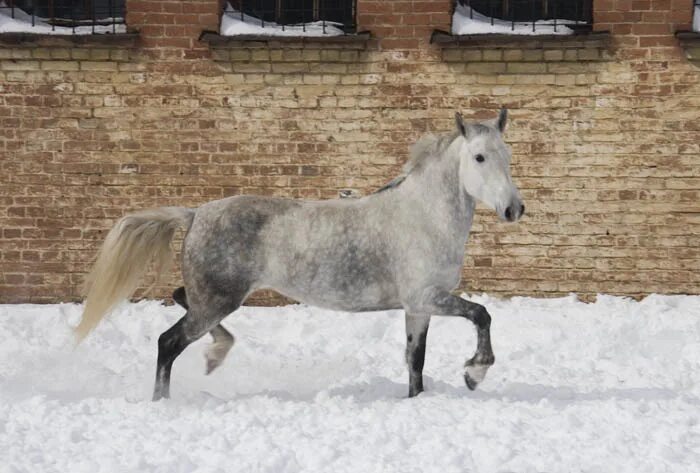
492, 55
220, 55
554, 55
588, 55
533, 55
330, 55
12, 65
486, 67
472, 55
59, 65
311, 54
60, 53
526, 68
98, 66
99, 54
119, 55
40, 53
240, 55
260, 55
80, 54
512, 55
21, 53
452, 55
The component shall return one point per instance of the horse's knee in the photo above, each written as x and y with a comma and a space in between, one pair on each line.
480, 316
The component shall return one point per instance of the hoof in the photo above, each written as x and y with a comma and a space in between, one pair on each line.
157, 396
471, 383
212, 364
412, 392
474, 373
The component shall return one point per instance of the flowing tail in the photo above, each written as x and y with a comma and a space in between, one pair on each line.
130, 245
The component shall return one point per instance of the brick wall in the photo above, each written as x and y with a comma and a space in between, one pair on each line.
605, 139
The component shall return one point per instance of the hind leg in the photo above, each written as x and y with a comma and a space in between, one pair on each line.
197, 321
223, 339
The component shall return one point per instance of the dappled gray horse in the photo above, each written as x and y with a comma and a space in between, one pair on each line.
401, 247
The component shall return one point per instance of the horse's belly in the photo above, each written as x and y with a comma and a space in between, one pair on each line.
354, 297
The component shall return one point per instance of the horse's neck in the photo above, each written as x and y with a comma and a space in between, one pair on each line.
436, 190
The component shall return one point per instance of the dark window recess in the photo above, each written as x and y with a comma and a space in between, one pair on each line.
68, 13
532, 11
297, 12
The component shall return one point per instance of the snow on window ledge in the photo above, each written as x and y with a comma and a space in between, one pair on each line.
22, 23
466, 21
234, 23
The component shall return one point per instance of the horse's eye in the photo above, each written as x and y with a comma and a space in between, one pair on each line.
480, 158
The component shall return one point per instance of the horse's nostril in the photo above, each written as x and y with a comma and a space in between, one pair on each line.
508, 214
522, 210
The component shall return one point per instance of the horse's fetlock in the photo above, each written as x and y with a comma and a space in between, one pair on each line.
487, 360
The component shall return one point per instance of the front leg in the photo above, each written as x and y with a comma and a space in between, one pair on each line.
416, 334
440, 302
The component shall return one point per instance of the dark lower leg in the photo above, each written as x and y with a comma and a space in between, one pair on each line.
170, 344
416, 336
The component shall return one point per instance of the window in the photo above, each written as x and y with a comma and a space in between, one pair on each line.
522, 16
62, 16
304, 16
696, 16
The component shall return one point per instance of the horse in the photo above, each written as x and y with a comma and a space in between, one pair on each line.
401, 247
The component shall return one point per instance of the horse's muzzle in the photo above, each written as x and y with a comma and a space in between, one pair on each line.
514, 211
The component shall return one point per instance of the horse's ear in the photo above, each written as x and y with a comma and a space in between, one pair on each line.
501, 120
461, 126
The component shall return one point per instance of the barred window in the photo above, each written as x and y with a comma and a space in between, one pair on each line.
338, 14
63, 16
557, 16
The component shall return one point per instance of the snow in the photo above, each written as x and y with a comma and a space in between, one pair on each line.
464, 23
602, 387
22, 23
232, 25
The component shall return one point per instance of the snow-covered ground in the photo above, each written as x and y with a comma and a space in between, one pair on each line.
612, 386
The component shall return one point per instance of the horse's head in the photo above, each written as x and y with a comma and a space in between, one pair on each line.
484, 166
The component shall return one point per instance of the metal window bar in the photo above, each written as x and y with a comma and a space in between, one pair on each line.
534, 13
71, 14
298, 13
